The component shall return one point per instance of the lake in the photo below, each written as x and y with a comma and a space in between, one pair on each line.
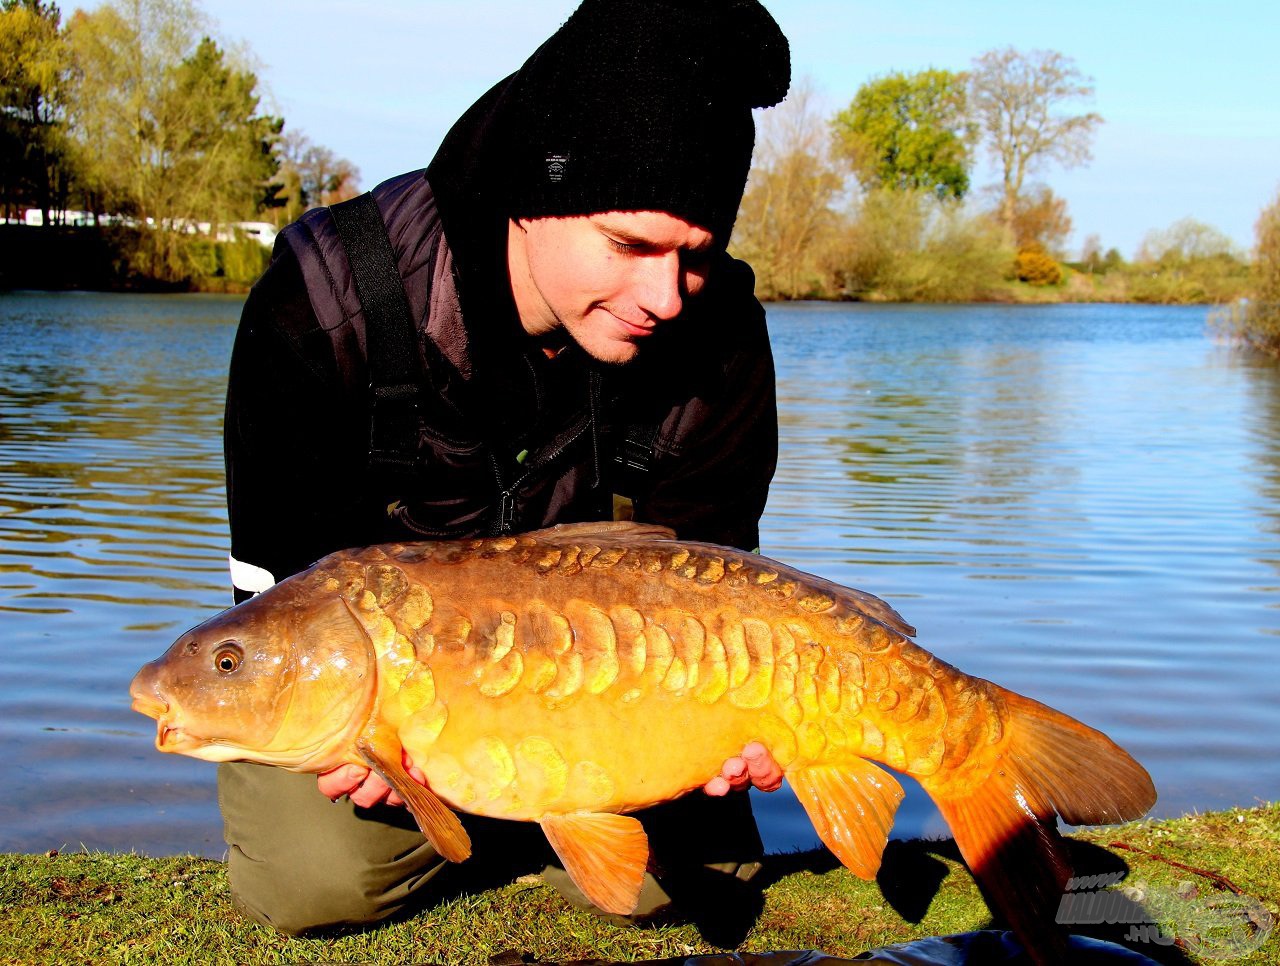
1078, 502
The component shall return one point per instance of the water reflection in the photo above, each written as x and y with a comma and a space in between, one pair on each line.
1263, 381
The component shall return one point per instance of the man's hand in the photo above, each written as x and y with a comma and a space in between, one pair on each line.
364, 787
755, 767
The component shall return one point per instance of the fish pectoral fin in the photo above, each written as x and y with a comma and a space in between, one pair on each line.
851, 806
604, 854
436, 820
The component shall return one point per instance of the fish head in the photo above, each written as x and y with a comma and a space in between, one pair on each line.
280, 679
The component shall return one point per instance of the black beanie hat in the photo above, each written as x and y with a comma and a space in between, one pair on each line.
637, 105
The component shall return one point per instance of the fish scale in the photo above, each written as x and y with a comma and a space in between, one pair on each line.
573, 675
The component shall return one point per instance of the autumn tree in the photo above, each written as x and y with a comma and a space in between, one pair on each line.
909, 132
1023, 104
34, 74
1040, 218
787, 220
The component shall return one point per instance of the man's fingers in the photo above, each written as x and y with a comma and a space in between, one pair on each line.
762, 770
717, 787
364, 787
372, 791
736, 774
341, 781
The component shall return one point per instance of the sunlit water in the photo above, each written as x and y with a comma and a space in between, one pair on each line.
1079, 502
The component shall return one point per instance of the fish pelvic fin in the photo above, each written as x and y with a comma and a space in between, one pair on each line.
436, 820
851, 806
604, 854
1006, 828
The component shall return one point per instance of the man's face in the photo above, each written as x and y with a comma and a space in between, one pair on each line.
609, 280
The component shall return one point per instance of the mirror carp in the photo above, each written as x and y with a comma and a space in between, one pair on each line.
572, 675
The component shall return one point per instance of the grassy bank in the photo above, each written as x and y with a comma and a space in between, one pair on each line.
99, 907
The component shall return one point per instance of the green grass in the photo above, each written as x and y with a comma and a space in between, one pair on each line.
100, 907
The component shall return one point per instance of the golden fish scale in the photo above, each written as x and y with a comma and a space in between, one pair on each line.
614, 706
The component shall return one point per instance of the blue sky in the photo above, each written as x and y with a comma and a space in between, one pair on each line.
1188, 89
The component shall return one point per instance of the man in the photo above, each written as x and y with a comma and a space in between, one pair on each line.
574, 343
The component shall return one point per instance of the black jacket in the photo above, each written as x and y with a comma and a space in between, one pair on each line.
509, 439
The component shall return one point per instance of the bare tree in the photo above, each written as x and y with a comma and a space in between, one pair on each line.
312, 175
786, 220
1018, 101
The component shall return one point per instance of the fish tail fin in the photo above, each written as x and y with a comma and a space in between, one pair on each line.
1006, 828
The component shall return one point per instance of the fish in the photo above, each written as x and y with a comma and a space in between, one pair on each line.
573, 675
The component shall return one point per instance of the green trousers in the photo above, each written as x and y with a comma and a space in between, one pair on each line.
300, 863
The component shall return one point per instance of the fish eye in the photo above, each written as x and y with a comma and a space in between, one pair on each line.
227, 657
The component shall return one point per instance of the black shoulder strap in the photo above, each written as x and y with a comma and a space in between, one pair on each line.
395, 370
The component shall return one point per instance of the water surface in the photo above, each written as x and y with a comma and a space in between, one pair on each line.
1078, 502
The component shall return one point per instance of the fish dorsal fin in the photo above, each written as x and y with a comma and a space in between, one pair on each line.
604, 854
851, 806
438, 823
606, 530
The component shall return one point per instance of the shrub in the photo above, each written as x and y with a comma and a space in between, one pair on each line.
912, 246
1035, 266
1256, 321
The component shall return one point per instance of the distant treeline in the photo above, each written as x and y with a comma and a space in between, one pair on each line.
876, 202
133, 111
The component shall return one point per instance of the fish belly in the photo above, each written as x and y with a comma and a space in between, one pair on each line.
522, 756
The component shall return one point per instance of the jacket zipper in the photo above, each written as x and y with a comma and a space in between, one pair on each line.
505, 520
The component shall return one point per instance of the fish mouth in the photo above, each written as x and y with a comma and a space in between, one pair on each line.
171, 738
149, 706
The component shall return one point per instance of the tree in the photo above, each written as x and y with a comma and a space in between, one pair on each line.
1018, 101
1189, 262
786, 221
169, 130
326, 178
311, 175
1091, 254
908, 132
34, 72
1184, 241
223, 151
